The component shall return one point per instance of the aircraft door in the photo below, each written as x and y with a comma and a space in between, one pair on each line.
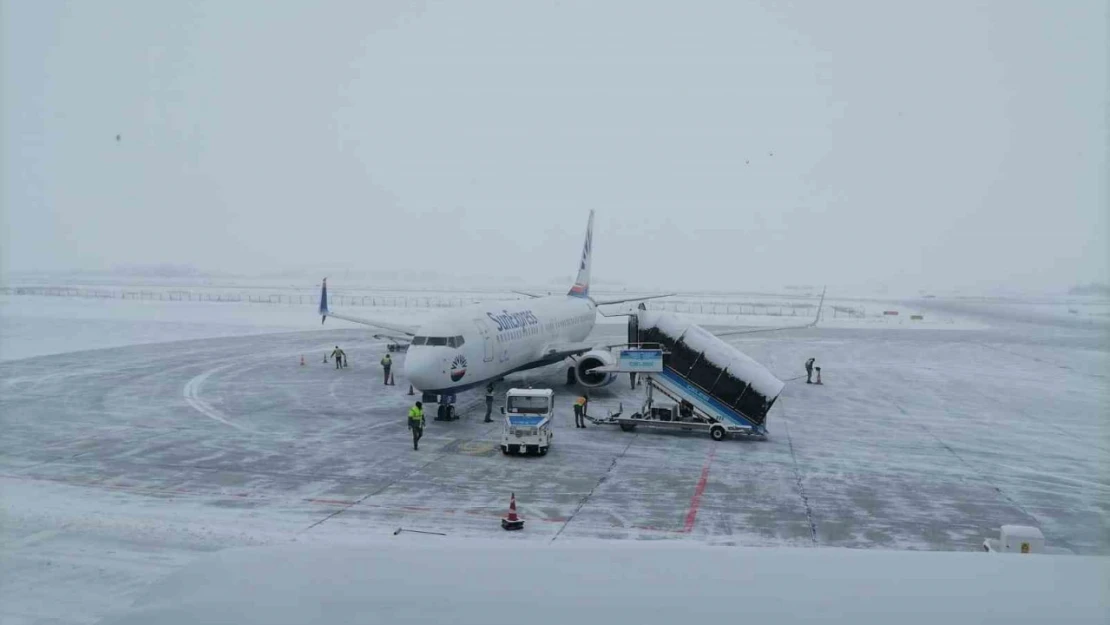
487, 340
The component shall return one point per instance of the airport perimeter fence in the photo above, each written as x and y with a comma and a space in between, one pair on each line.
287, 299
799, 309
674, 304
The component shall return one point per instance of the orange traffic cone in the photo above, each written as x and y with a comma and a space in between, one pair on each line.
818, 369
512, 522
411, 392
302, 360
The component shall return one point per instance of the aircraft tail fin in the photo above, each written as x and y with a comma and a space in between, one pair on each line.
581, 286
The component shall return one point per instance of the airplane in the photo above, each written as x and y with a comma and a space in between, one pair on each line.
473, 346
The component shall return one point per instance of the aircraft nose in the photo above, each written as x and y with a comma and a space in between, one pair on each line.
421, 369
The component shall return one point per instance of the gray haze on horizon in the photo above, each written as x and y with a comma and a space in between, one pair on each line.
723, 144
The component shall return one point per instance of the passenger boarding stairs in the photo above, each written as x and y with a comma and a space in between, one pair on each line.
710, 384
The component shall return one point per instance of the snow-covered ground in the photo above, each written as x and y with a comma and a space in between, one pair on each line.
419, 579
118, 466
42, 325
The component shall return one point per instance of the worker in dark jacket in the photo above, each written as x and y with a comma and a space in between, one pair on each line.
337, 354
809, 370
387, 364
416, 423
489, 402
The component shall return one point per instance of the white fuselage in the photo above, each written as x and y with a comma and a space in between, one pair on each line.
471, 346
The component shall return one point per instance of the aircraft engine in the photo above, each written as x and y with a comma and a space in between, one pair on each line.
591, 359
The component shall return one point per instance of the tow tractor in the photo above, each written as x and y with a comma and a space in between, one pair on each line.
527, 427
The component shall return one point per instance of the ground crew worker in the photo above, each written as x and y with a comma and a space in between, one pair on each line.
489, 402
416, 424
337, 354
632, 379
387, 364
809, 370
580, 412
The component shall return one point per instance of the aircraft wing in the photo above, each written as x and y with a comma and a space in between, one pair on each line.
325, 312
757, 330
811, 324
629, 299
402, 340
558, 351
527, 294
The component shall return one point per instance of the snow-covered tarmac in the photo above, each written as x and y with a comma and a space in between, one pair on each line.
117, 466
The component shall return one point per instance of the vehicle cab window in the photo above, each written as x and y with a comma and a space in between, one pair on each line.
527, 405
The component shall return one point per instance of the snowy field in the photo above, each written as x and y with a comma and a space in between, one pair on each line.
191, 427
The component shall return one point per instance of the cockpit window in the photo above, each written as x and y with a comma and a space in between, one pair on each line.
439, 341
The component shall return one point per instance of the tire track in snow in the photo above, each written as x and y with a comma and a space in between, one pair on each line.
374, 492
980, 474
1042, 361
975, 472
191, 393
600, 481
798, 480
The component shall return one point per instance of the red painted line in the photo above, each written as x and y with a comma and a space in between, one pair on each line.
695, 502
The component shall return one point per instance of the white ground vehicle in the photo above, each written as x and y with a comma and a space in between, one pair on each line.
527, 421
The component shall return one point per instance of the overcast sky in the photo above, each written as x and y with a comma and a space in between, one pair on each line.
723, 144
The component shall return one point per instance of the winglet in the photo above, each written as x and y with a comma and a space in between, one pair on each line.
581, 286
819, 305
324, 302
